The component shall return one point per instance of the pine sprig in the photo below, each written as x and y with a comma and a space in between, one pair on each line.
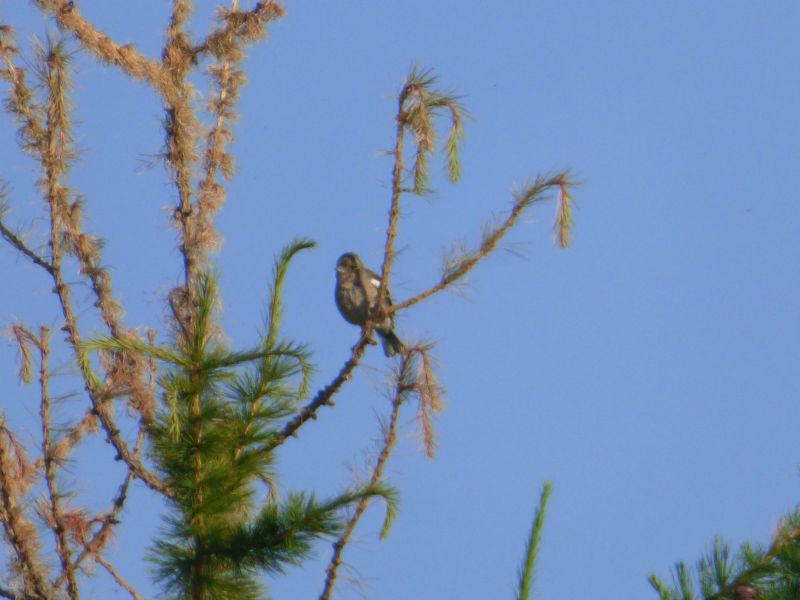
528, 566
771, 573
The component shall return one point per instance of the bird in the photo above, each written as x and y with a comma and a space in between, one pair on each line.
356, 294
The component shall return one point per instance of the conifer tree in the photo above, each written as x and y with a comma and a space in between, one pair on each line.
197, 422
754, 572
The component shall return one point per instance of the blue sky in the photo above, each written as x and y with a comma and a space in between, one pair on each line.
649, 371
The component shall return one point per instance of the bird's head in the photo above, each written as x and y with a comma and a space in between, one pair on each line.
348, 266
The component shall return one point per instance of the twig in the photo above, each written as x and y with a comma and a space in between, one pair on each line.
394, 205
130, 60
67, 442
181, 11
56, 512
15, 241
323, 396
390, 438
99, 402
54, 162
211, 194
93, 546
118, 578
20, 532
22, 102
523, 200
240, 25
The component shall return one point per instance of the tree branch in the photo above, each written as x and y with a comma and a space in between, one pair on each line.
20, 532
323, 396
54, 159
248, 26
390, 437
94, 546
17, 243
394, 205
118, 578
56, 513
126, 57
465, 264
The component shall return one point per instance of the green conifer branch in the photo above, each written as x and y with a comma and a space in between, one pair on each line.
528, 566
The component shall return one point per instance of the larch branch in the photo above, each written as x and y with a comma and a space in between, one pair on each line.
17, 243
523, 200
390, 438
239, 26
20, 532
126, 57
324, 396
54, 497
118, 578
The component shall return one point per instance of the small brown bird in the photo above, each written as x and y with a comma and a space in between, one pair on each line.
356, 294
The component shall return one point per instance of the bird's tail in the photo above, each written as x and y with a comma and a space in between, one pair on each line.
391, 343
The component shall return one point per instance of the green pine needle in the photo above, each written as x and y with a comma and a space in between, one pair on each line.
279, 271
527, 568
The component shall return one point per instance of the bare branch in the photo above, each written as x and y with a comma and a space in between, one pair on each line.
118, 578
324, 396
17, 243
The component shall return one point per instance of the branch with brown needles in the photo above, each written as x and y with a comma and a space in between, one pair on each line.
97, 396
181, 12
228, 80
239, 26
93, 546
20, 533
389, 438
102, 411
54, 496
463, 265
126, 57
414, 377
54, 159
417, 106
21, 102
394, 204
74, 434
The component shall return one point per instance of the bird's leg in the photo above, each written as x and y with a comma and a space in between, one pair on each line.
370, 339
